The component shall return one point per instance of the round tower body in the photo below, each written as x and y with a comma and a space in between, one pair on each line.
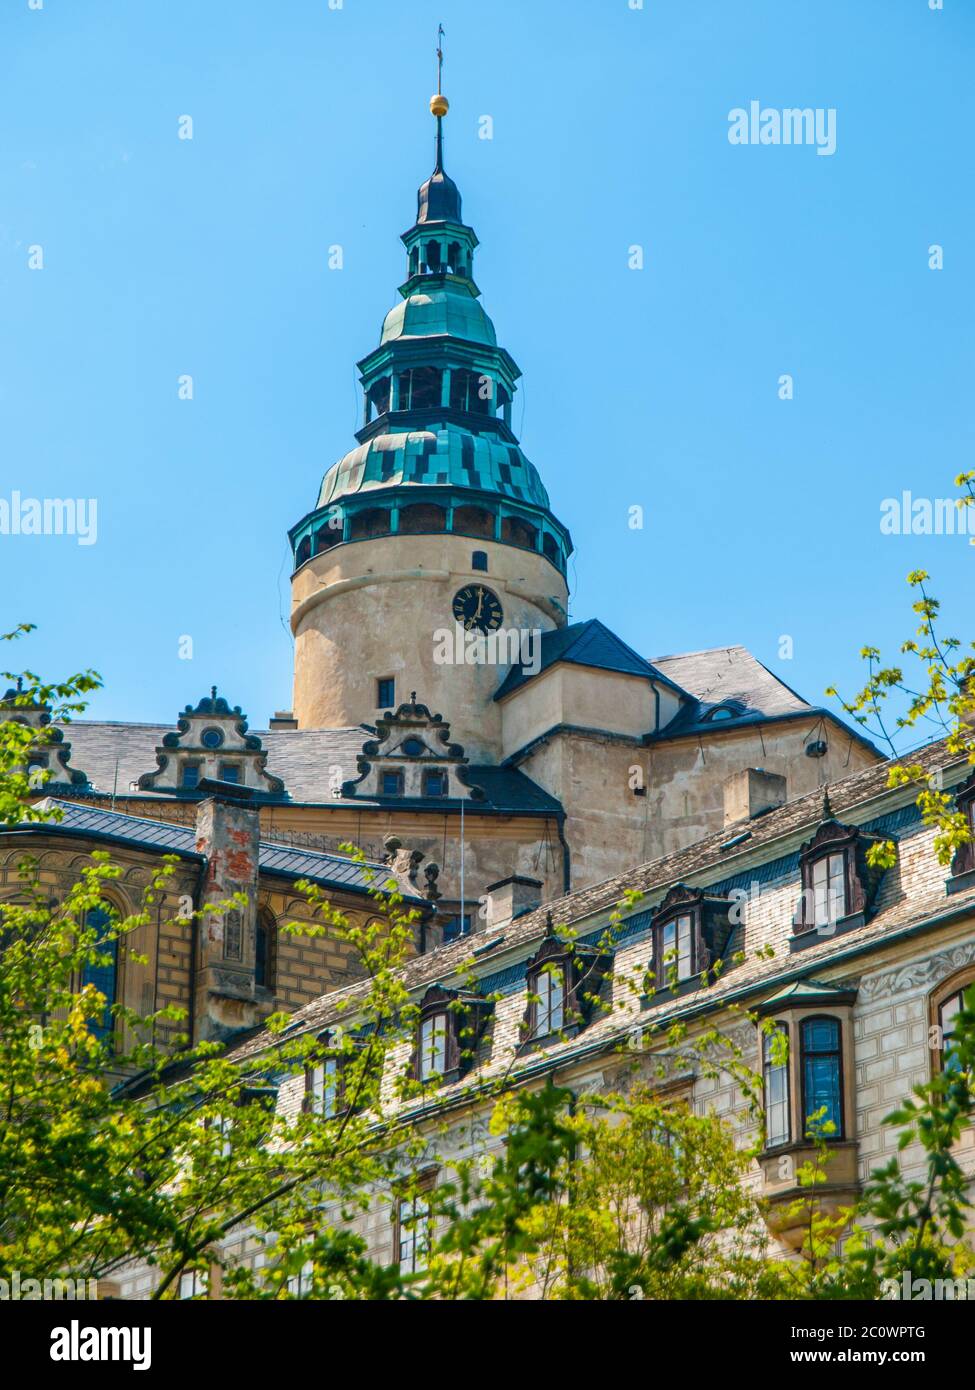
431, 562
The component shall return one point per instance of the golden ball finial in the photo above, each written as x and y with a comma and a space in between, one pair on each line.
439, 104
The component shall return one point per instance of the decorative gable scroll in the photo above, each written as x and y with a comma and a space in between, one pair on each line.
211, 743
49, 754
412, 757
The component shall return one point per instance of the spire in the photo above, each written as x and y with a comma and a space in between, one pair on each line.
438, 200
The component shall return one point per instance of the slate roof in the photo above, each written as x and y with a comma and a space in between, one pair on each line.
303, 758
114, 827
584, 644
733, 678
705, 864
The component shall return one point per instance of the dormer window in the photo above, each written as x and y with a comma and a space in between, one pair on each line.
449, 1028
564, 981
550, 1008
838, 884
322, 1088
230, 772
690, 933
433, 1047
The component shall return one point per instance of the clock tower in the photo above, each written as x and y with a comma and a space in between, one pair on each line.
435, 529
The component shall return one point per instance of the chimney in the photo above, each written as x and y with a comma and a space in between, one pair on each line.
510, 898
283, 719
227, 834
750, 792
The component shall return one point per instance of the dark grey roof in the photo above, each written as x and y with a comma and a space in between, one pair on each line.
329, 870
309, 762
584, 644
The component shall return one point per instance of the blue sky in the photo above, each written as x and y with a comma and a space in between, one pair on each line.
656, 388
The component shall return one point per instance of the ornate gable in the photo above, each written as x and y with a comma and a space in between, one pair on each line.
412, 757
211, 741
50, 752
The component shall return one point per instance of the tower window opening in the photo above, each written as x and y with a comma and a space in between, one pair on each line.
326, 537
471, 391
426, 387
378, 395
433, 256
414, 260
455, 259
385, 692
503, 402
372, 521
422, 517
303, 552
479, 560
516, 531
474, 521
550, 547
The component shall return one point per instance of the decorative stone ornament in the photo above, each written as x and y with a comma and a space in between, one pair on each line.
211, 742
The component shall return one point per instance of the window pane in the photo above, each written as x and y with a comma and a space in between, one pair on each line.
684, 965
777, 1121
946, 1017
821, 1071
433, 1047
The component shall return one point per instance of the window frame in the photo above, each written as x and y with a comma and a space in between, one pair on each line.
394, 772
950, 988
417, 1198
768, 1066
582, 968
382, 681
803, 1052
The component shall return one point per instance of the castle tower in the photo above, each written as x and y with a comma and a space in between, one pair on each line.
436, 522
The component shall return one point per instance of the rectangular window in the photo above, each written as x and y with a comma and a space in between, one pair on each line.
230, 772
829, 889
193, 1284
391, 782
300, 1285
191, 775
385, 693
821, 1073
434, 782
433, 1047
323, 1089
550, 1009
455, 927
778, 1129
413, 1233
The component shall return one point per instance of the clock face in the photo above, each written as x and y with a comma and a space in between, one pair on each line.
477, 608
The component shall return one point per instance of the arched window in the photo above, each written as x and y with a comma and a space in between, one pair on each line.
821, 1069
947, 1002
518, 532
479, 560
425, 388
373, 521
414, 260
264, 949
103, 973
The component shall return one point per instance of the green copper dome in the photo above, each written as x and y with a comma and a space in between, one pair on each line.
446, 310
447, 457
436, 451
